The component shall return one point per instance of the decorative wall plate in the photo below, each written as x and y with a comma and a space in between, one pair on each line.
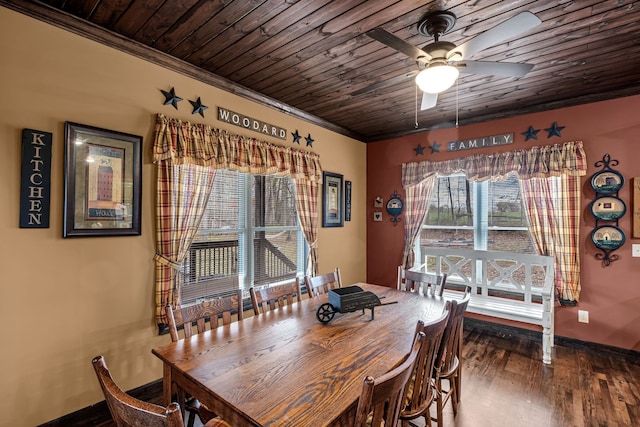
607, 181
608, 237
394, 207
608, 208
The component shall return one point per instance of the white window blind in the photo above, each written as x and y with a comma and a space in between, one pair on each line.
248, 236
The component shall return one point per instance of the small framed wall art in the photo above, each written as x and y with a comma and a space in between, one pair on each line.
102, 182
332, 200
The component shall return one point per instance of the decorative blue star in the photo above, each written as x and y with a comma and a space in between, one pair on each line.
296, 136
419, 149
198, 108
309, 140
554, 130
531, 133
171, 98
435, 147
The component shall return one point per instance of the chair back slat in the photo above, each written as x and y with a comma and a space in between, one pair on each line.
129, 411
428, 284
265, 299
219, 311
450, 345
322, 283
419, 393
381, 398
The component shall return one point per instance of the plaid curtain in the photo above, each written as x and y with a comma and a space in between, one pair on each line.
554, 213
307, 207
182, 195
187, 156
553, 208
416, 209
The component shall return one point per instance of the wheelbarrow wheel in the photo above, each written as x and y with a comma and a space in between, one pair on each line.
325, 313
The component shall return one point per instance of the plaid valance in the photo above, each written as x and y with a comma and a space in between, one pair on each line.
538, 162
183, 142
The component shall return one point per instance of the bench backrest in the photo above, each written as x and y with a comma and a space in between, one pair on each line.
493, 273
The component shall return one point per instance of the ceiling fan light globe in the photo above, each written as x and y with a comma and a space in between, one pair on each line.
437, 78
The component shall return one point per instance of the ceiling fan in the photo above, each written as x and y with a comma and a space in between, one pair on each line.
440, 62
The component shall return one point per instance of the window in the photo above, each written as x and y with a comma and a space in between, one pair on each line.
249, 236
486, 215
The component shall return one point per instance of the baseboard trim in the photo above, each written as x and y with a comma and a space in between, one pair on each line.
502, 329
99, 413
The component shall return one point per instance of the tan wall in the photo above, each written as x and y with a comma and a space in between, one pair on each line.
610, 294
67, 300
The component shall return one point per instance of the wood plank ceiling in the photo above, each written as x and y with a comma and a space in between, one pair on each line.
308, 57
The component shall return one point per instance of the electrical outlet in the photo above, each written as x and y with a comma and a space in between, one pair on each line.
583, 316
635, 250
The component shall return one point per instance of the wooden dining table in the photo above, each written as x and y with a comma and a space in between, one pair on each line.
286, 368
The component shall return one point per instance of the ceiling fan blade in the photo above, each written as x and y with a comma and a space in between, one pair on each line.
511, 27
505, 69
385, 37
429, 100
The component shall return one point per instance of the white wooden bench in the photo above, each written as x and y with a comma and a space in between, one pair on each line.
509, 286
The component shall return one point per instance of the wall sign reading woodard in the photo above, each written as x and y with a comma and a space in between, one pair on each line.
483, 142
255, 125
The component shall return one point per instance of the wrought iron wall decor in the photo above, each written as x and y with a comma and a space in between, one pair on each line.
607, 209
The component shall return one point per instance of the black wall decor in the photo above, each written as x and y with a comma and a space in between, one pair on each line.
35, 190
607, 209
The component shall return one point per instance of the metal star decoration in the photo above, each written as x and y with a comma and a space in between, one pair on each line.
309, 140
198, 108
171, 98
531, 133
419, 149
554, 130
435, 147
296, 136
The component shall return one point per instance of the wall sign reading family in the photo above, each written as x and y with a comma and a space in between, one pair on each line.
482, 142
256, 125
102, 182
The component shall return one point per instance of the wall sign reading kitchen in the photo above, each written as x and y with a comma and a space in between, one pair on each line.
255, 125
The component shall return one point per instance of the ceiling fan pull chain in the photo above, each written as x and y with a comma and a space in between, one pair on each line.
457, 86
416, 124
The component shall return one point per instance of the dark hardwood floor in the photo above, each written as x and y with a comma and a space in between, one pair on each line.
505, 383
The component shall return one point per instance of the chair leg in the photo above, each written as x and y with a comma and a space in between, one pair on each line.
192, 419
439, 402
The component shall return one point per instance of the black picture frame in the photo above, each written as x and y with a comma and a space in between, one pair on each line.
332, 200
102, 182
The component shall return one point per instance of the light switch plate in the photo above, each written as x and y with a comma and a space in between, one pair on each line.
635, 250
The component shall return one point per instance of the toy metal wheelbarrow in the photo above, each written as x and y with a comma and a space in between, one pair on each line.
346, 300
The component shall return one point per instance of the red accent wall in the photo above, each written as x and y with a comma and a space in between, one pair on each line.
610, 294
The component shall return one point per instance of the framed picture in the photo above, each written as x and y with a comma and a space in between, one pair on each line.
102, 182
636, 208
332, 198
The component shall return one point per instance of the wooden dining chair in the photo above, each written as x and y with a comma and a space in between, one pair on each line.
419, 392
212, 313
265, 299
429, 284
129, 411
322, 283
381, 398
447, 365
